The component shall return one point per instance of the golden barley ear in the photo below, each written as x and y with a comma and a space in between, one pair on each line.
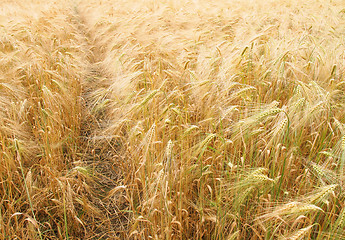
322, 195
300, 234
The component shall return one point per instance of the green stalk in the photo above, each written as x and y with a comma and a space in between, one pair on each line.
65, 217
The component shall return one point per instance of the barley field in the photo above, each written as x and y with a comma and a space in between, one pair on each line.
172, 119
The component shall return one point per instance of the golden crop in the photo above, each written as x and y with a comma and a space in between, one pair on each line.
172, 119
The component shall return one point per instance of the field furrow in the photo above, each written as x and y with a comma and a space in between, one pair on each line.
172, 119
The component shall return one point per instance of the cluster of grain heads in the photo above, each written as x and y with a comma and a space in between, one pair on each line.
289, 216
192, 104
320, 204
42, 64
220, 123
290, 211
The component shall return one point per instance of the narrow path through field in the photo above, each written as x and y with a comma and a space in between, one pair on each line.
112, 221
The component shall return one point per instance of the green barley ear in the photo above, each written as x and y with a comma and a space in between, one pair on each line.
203, 145
297, 105
324, 175
149, 96
267, 113
241, 196
257, 179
